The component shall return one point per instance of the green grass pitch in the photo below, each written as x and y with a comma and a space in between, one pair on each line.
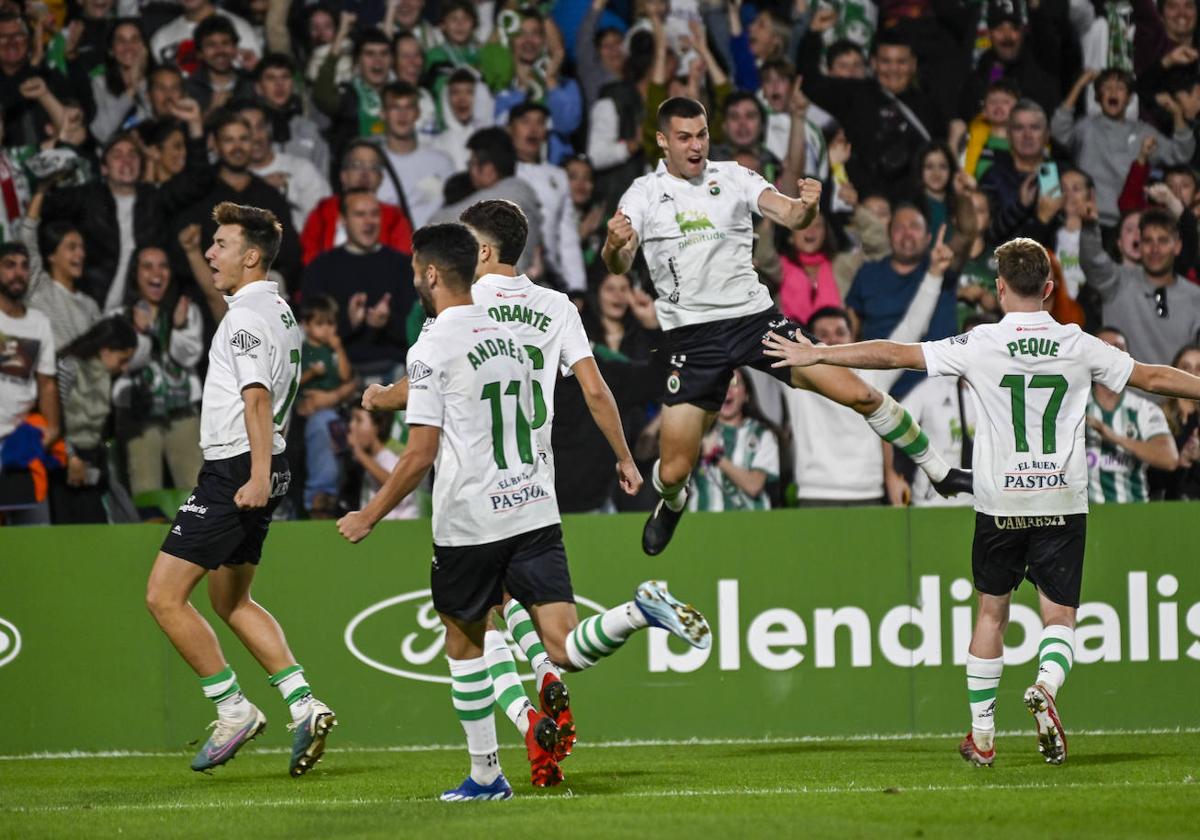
1112, 786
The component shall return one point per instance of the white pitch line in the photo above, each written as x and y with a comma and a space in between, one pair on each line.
602, 745
569, 795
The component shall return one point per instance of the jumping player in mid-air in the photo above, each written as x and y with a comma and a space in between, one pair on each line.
495, 516
1032, 377
253, 374
693, 219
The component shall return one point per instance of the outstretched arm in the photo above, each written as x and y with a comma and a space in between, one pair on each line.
1165, 380
604, 411
867, 355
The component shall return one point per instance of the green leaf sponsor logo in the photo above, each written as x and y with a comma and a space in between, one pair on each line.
693, 221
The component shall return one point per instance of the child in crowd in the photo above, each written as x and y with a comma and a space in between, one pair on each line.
326, 380
368, 437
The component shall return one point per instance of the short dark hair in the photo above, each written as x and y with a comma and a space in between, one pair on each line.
1003, 86
8, 248
344, 198
315, 305
839, 48
160, 69
1181, 169
1114, 330
1074, 170
740, 96
260, 229
1160, 218
467, 6
1024, 265
462, 76
527, 107
213, 25
494, 146
223, 118
892, 38
1122, 76
777, 65
121, 137
683, 107
272, 61
400, 90
830, 312
370, 36
502, 222
452, 248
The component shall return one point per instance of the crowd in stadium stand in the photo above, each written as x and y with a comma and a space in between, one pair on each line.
124, 122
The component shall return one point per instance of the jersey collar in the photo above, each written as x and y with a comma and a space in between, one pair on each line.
699, 179
263, 287
1042, 317
519, 281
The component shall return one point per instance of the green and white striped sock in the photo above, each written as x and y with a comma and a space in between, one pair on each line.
525, 635
601, 635
1056, 655
897, 427
471, 693
294, 688
506, 684
222, 688
983, 680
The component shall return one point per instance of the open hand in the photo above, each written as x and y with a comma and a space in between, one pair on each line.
798, 353
378, 315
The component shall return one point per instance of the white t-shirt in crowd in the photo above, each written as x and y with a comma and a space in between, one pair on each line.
560, 234
934, 404
306, 186
469, 376
421, 173
1066, 248
257, 342
26, 351
407, 508
697, 237
176, 36
1033, 377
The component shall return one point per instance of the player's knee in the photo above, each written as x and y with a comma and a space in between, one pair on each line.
224, 607
675, 470
865, 399
158, 601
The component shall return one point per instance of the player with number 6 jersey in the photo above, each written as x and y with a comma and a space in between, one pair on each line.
1032, 378
495, 516
253, 375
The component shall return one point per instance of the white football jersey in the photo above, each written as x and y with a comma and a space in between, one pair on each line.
1032, 378
698, 237
550, 330
469, 376
257, 342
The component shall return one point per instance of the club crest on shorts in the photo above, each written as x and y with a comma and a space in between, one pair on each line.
674, 382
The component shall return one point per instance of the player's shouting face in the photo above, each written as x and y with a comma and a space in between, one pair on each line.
685, 145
